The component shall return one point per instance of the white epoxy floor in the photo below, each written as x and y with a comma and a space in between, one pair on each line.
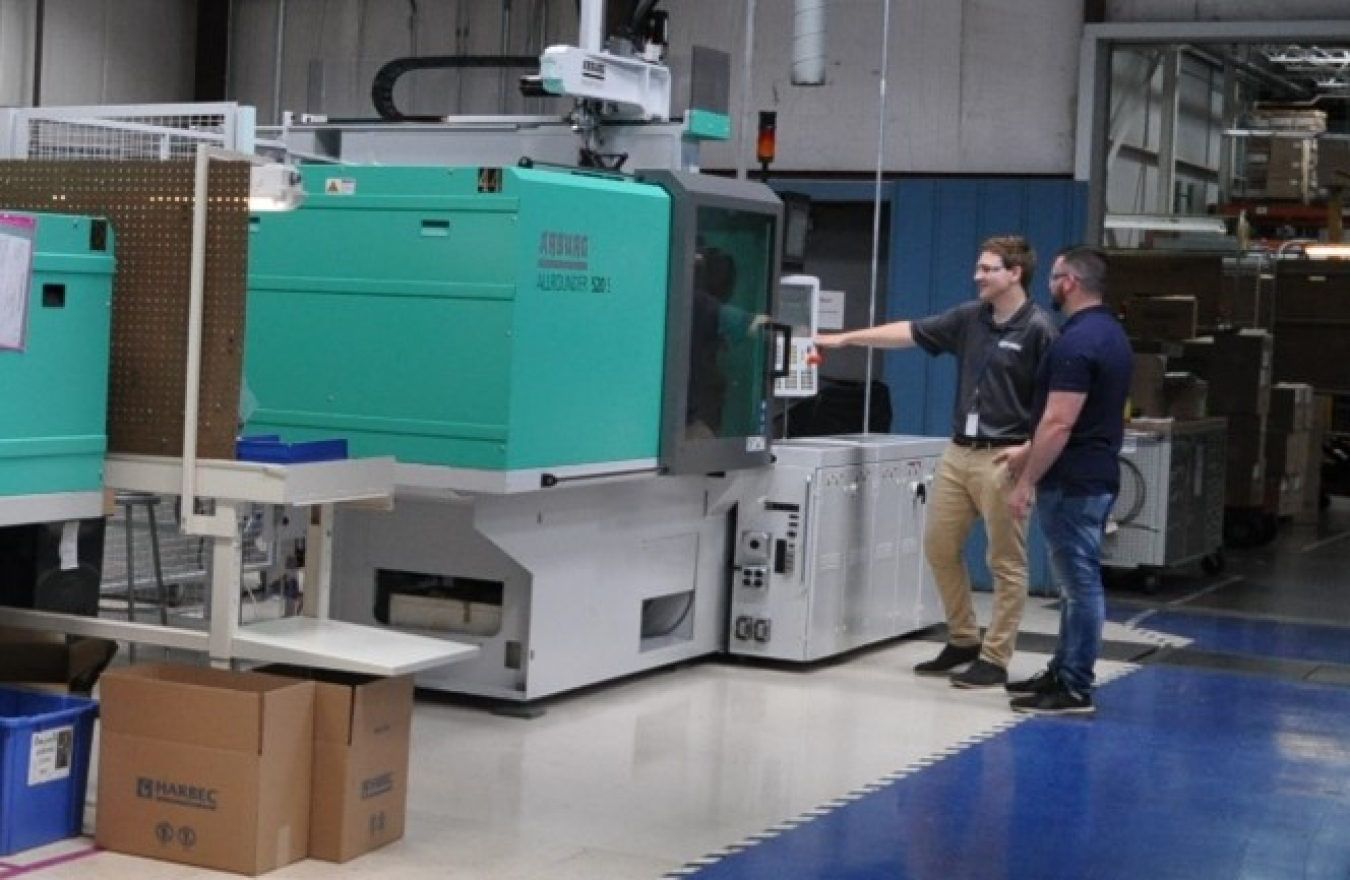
638, 778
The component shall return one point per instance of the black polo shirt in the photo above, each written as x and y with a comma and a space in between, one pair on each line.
997, 364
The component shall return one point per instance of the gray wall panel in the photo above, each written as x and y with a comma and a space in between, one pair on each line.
1223, 10
118, 51
971, 86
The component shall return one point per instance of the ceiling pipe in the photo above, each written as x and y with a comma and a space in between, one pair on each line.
808, 43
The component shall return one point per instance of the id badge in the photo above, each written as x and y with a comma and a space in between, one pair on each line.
972, 424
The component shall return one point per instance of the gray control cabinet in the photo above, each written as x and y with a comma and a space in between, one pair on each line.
829, 549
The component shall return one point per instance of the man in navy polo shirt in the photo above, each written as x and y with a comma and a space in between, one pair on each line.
1071, 468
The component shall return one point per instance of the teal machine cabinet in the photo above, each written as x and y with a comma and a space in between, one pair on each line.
508, 325
54, 356
570, 367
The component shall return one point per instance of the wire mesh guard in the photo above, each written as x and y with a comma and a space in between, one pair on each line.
184, 564
138, 136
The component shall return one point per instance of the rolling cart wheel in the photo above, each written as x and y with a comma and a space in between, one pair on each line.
1213, 563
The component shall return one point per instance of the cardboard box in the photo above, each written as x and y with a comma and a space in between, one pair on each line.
1244, 484
1186, 395
1333, 163
362, 735
1284, 495
1310, 505
1147, 398
52, 661
205, 767
1245, 466
1143, 273
1291, 407
1287, 453
1239, 373
1167, 318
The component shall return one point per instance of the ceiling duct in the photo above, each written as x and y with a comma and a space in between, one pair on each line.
808, 43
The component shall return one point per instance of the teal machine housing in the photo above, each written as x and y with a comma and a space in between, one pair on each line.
493, 319
565, 386
54, 387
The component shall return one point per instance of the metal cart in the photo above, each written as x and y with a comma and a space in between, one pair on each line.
1171, 504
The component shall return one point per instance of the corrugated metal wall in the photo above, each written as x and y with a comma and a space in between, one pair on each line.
937, 225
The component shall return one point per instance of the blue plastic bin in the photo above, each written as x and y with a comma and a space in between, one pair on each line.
45, 740
270, 448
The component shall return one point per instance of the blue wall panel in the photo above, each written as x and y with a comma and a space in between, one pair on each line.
937, 225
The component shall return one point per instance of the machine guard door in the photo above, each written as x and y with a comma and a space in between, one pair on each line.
726, 242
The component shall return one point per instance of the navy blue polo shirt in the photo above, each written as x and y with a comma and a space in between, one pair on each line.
1092, 355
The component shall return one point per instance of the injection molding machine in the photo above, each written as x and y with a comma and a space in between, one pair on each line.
574, 368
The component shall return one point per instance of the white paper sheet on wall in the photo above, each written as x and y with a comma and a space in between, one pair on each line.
16, 273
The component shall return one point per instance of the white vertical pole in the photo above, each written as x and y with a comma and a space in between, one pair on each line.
877, 204
592, 36
747, 69
278, 60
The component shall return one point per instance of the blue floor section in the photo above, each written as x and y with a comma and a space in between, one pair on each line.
1183, 774
1267, 638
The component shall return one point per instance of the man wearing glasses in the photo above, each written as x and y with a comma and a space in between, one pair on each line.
1071, 470
998, 340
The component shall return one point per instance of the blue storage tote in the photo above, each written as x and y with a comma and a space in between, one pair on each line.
45, 741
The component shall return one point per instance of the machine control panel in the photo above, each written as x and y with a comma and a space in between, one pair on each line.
798, 308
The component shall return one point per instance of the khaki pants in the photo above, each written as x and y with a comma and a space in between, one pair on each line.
968, 486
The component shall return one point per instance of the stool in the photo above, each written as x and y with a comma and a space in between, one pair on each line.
146, 501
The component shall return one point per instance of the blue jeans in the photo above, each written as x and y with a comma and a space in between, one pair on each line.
1073, 526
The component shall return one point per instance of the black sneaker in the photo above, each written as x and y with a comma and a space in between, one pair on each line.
981, 674
1042, 682
951, 657
1060, 701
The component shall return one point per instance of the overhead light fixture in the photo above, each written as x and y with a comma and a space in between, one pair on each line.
1167, 223
1324, 251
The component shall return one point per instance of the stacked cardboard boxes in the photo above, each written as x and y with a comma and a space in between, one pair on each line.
1237, 367
1283, 163
1333, 164
1289, 169
1159, 393
250, 771
1289, 463
1161, 318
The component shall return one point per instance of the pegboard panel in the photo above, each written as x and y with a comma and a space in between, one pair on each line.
149, 204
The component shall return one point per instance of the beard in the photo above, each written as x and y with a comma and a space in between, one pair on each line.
1056, 301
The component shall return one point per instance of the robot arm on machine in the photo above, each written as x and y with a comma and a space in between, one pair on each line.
626, 79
